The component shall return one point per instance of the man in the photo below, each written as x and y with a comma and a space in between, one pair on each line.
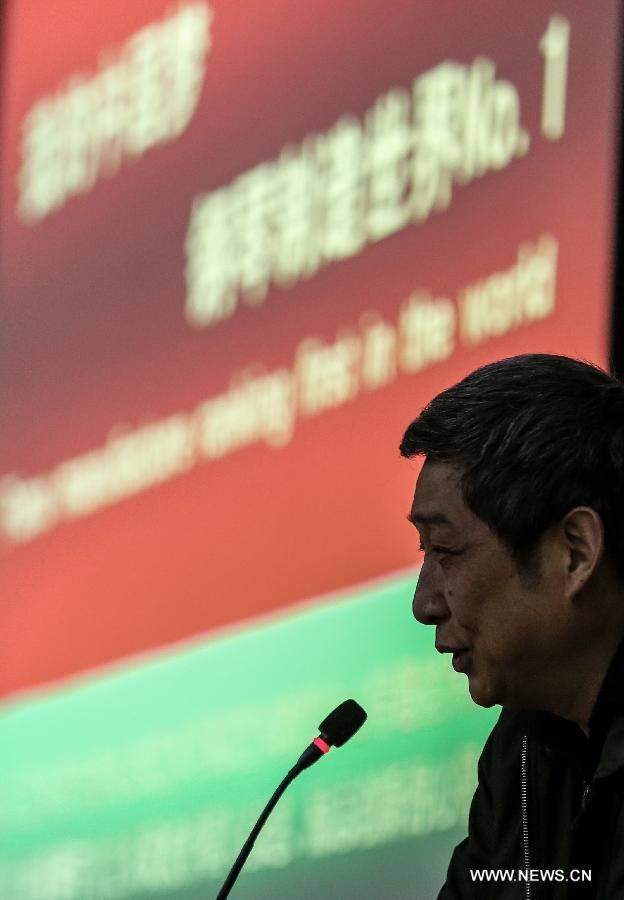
520, 510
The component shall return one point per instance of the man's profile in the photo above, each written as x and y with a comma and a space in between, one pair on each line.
520, 511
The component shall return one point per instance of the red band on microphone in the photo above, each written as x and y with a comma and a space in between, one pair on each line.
320, 743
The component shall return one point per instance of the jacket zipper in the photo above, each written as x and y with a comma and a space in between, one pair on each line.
525, 820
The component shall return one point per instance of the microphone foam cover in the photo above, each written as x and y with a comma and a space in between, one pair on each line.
343, 722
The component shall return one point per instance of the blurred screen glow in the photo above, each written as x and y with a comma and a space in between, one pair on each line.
241, 245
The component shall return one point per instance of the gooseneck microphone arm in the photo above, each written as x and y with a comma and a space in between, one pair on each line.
336, 729
255, 831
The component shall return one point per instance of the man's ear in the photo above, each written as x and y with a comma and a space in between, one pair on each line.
582, 533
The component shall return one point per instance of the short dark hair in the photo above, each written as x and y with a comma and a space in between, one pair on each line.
535, 435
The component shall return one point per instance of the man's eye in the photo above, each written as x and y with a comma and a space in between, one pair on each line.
441, 551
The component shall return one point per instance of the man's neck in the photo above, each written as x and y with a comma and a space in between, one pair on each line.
576, 695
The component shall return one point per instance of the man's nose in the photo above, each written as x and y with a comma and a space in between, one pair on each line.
429, 604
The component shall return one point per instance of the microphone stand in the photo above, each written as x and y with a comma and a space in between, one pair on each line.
336, 729
309, 756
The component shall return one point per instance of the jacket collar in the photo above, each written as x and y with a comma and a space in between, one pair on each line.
611, 694
603, 752
606, 725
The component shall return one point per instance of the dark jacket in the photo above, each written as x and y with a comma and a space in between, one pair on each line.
549, 798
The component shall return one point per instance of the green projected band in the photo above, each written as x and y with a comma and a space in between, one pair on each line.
146, 780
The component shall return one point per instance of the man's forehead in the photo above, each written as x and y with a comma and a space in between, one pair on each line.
437, 498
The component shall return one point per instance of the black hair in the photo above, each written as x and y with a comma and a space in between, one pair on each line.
535, 435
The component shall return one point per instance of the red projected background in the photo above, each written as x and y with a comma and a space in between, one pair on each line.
242, 244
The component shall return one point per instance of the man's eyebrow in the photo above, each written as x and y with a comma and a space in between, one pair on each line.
428, 519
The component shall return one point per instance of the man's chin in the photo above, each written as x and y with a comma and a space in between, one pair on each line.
482, 695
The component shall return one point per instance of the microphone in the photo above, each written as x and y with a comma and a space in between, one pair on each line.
335, 730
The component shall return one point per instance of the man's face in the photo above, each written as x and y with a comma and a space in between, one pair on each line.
501, 628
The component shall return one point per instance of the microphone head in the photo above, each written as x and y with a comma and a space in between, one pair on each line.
342, 723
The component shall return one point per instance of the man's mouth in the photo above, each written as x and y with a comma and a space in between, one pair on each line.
461, 656
461, 660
